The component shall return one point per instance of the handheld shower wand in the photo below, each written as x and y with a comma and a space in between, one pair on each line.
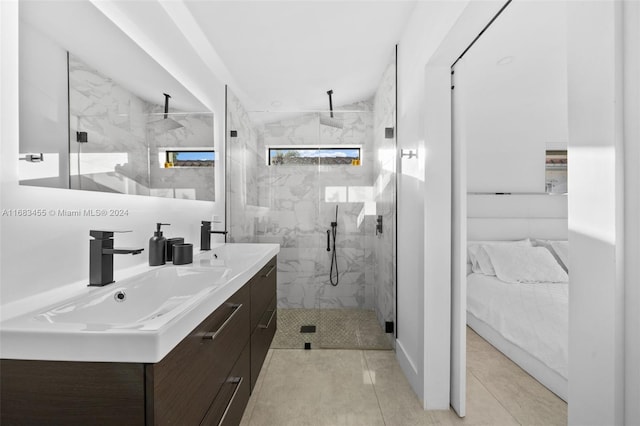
334, 256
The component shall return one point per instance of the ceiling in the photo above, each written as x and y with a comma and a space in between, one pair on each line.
285, 55
275, 55
81, 29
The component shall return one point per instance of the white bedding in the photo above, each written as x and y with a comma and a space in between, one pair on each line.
533, 317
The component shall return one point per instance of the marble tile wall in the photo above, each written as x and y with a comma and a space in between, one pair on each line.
293, 205
196, 183
124, 140
115, 121
302, 204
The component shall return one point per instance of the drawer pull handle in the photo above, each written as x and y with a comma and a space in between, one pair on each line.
238, 382
273, 314
213, 334
270, 271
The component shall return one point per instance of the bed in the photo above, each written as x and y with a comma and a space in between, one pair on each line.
522, 308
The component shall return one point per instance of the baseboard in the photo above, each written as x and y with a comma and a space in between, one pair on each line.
410, 371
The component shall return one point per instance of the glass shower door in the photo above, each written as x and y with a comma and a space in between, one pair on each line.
287, 174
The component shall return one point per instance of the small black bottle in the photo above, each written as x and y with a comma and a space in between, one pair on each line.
157, 247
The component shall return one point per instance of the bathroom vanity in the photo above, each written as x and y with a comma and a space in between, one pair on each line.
205, 379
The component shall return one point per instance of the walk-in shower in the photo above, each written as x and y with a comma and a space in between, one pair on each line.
317, 190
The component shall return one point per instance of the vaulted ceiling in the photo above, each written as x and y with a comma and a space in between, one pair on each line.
287, 54
276, 55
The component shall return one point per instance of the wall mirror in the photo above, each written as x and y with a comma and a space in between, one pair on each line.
555, 171
97, 113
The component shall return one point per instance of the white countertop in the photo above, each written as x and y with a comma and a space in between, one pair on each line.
31, 330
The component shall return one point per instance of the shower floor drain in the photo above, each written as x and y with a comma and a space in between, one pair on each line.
308, 329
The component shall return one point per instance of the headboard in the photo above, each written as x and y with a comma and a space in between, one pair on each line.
516, 216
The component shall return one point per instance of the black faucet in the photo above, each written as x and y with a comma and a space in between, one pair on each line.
205, 235
101, 253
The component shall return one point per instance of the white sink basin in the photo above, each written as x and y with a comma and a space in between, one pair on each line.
137, 319
232, 256
137, 301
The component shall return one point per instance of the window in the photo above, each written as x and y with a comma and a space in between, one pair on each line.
302, 155
189, 158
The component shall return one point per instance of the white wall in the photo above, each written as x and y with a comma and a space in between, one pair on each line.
44, 253
515, 111
426, 51
596, 300
631, 12
429, 24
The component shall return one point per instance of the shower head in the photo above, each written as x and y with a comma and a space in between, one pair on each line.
331, 121
166, 123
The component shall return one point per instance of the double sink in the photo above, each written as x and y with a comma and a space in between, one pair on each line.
138, 319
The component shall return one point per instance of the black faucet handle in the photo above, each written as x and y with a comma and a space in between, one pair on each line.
103, 234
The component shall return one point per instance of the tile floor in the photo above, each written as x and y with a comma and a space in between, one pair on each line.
366, 387
335, 329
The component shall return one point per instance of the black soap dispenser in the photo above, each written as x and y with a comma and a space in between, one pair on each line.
157, 247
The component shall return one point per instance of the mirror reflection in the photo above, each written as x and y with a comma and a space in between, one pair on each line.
92, 119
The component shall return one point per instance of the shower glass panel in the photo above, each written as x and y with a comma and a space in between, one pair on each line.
287, 173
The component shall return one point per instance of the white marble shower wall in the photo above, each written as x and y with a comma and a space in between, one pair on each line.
293, 205
122, 152
115, 122
196, 183
302, 200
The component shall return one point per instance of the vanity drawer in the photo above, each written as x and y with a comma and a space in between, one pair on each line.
180, 388
263, 289
261, 339
228, 407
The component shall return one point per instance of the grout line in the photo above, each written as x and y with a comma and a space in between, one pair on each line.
373, 384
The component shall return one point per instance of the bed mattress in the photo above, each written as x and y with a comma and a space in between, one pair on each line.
531, 317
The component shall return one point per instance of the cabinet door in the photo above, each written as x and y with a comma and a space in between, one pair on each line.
182, 385
229, 405
261, 339
263, 289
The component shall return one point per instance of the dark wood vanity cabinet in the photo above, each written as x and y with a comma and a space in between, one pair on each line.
183, 385
263, 316
205, 380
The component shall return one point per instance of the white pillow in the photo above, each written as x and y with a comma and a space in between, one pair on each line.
479, 259
548, 244
517, 264
562, 250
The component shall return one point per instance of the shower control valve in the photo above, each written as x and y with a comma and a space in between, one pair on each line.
379, 225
